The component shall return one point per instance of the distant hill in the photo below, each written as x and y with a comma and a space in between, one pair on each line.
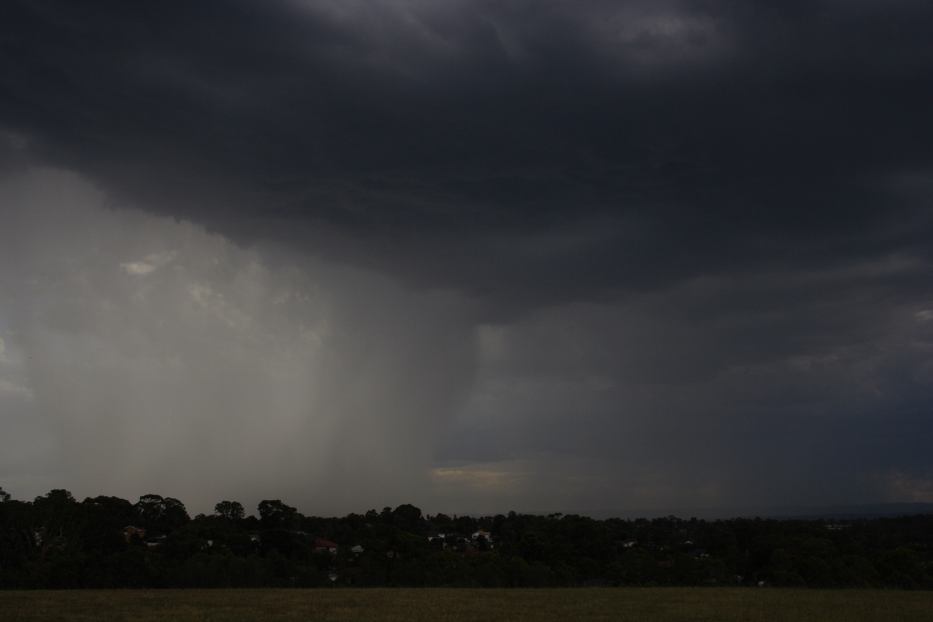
871, 510
841, 512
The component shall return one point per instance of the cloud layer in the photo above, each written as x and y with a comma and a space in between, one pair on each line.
478, 255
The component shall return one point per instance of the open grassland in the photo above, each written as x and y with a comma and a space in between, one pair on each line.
462, 605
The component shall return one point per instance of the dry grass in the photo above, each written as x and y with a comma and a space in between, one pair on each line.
463, 605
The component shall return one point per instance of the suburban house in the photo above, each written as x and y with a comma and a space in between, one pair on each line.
322, 545
131, 533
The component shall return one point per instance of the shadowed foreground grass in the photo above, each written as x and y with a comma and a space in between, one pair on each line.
456, 605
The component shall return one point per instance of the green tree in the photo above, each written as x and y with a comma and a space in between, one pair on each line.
105, 519
407, 517
161, 514
230, 510
276, 515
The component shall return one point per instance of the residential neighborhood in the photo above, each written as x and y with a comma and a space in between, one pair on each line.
56, 541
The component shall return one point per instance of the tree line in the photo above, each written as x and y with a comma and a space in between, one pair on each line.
56, 541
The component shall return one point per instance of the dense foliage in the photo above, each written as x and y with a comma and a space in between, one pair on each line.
58, 542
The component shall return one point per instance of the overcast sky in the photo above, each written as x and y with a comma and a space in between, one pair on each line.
544, 255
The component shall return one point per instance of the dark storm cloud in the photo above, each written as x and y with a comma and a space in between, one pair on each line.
690, 239
676, 136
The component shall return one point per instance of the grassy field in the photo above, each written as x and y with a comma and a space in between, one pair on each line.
462, 605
